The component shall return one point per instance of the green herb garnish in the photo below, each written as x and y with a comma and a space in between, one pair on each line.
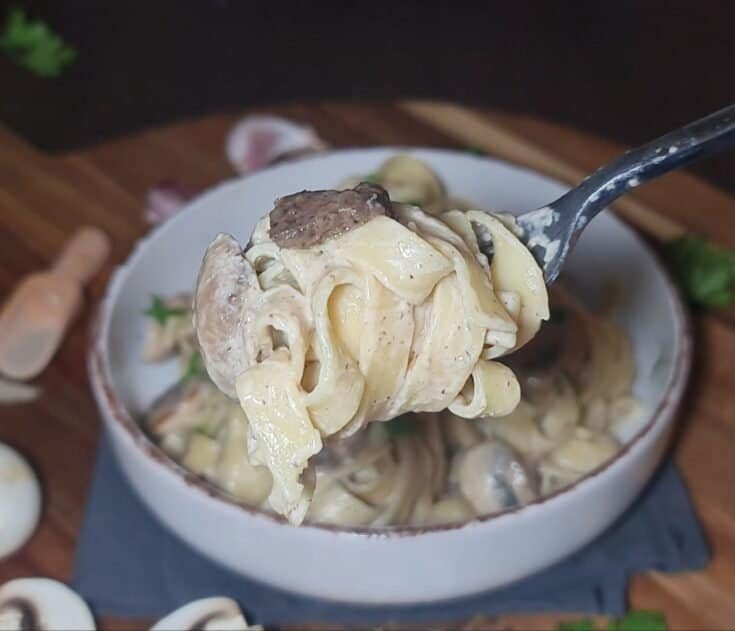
372, 178
194, 368
34, 46
476, 151
405, 425
576, 625
161, 312
705, 272
633, 621
639, 621
557, 315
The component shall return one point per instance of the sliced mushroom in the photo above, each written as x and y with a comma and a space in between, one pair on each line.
305, 219
224, 280
491, 478
411, 181
20, 500
177, 408
207, 614
42, 604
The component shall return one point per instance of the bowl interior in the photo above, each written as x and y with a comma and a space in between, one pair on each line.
168, 259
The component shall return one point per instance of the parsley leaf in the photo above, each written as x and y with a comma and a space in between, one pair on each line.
194, 367
633, 621
34, 46
371, 178
160, 312
576, 625
705, 272
639, 621
405, 425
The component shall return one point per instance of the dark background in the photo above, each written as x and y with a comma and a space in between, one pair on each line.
625, 70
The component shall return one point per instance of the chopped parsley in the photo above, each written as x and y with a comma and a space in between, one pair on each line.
705, 272
161, 312
34, 46
633, 621
577, 625
639, 621
194, 368
405, 425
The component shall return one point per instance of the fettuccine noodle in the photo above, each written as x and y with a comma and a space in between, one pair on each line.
400, 316
401, 313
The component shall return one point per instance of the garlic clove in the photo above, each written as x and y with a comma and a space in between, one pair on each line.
207, 614
20, 500
257, 141
165, 199
42, 604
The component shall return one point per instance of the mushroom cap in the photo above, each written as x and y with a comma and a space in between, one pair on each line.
208, 614
20, 500
219, 302
43, 604
491, 478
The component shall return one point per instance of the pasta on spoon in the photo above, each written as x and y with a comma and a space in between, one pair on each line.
346, 308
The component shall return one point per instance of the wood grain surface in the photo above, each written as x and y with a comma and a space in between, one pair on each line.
42, 200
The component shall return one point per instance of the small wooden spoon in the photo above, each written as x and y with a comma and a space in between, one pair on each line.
42, 307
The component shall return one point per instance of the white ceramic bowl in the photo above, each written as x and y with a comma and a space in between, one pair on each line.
399, 565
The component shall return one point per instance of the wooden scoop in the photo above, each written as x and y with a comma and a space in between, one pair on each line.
42, 307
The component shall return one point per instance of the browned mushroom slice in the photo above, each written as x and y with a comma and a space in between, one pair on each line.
308, 218
224, 280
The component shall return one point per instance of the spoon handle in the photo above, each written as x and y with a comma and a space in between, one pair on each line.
682, 146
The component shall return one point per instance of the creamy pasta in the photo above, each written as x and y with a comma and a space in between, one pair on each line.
390, 311
402, 317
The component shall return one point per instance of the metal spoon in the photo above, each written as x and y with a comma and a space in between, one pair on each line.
551, 231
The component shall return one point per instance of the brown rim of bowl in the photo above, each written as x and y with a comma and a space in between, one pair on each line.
106, 396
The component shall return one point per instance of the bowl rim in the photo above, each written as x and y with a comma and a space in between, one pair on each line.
114, 408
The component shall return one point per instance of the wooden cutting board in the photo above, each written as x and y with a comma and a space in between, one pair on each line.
43, 198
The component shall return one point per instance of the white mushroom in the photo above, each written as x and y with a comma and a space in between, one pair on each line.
207, 614
20, 500
257, 141
491, 478
219, 301
411, 181
42, 604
